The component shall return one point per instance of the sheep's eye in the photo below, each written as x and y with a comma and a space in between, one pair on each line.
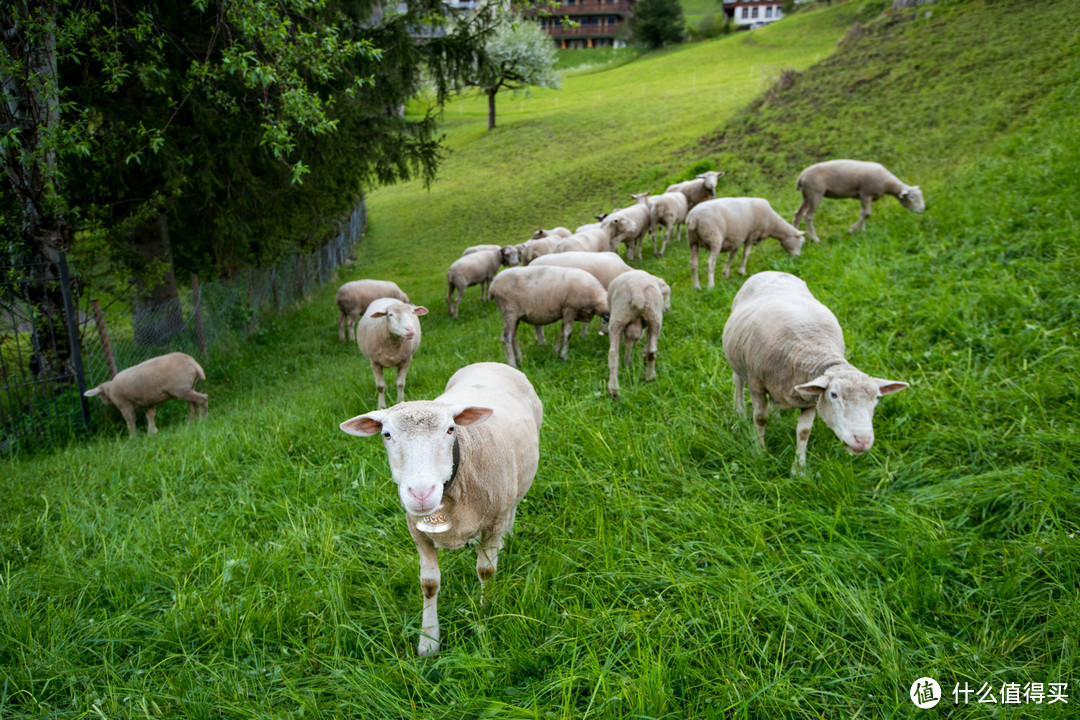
450, 430
833, 395
386, 435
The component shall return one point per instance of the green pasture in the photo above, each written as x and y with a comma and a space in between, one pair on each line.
257, 564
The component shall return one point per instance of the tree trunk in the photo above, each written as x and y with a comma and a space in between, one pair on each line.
156, 316
491, 109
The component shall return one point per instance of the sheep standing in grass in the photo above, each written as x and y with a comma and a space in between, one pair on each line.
637, 303
508, 254
731, 223
542, 295
604, 266
462, 463
593, 240
540, 246
353, 298
629, 225
789, 348
559, 231
388, 335
670, 211
867, 181
698, 190
151, 383
476, 268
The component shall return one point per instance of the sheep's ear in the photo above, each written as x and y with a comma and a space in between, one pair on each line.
93, 392
903, 194
420, 310
472, 415
888, 387
364, 425
720, 174
801, 233
814, 387
377, 314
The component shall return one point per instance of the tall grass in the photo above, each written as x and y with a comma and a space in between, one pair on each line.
257, 564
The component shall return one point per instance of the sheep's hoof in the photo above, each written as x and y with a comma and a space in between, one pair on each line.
427, 647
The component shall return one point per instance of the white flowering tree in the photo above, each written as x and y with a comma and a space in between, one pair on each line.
518, 55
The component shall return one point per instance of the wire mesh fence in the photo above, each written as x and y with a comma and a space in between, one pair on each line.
203, 317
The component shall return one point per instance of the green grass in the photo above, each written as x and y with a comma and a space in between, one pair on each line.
257, 564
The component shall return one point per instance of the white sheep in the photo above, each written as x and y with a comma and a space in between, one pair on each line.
698, 190
731, 223
595, 240
629, 225
637, 302
670, 211
388, 336
540, 246
867, 181
509, 254
604, 266
151, 383
559, 231
477, 268
541, 295
352, 300
789, 348
462, 462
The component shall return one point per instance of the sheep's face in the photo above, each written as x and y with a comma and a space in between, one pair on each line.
845, 402
912, 199
419, 440
510, 255
793, 242
711, 178
101, 391
401, 319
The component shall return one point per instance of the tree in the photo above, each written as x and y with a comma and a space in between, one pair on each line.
657, 23
519, 55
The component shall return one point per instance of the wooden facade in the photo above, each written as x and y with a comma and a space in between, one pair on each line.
597, 22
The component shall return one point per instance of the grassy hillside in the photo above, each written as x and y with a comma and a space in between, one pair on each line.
257, 564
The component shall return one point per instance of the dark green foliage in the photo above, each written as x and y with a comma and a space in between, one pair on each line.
657, 23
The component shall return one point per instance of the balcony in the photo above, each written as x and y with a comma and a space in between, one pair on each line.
583, 31
620, 7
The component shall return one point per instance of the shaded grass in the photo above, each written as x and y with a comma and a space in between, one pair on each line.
257, 565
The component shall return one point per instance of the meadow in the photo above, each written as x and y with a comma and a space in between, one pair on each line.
257, 564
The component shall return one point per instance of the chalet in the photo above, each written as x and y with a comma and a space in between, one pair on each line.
752, 13
598, 22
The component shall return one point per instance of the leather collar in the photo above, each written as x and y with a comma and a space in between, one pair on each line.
457, 463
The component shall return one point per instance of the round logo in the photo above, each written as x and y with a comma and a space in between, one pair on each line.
925, 693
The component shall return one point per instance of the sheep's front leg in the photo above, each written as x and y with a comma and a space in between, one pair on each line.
567, 328
509, 340
727, 266
802, 436
341, 327
864, 212
429, 584
745, 256
760, 400
615, 330
540, 340
380, 383
128, 413
693, 267
150, 413
402, 373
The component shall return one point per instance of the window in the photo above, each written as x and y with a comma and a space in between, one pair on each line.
778, 12
745, 12
753, 13
768, 11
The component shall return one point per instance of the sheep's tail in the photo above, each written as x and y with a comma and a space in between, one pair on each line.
798, 183
199, 371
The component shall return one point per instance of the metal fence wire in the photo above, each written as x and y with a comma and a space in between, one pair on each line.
204, 317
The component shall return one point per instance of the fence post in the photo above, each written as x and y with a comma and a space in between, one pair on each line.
200, 335
103, 335
73, 337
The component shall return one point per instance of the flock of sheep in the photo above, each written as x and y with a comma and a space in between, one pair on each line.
463, 461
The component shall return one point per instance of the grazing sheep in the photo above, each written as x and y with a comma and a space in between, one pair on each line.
479, 248
731, 223
462, 463
151, 383
698, 190
509, 254
594, 225
670, 211
352, 300
541, 246
541, 295
789, 348
604, 266
594, 240
629, 225
559, 231
637, 303
477, 268
867, 181
388, 335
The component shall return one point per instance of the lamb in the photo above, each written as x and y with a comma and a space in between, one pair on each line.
867, 181
637, 301
353, 298
698, 190
731, 223
542, 295
559, 231
388, 336
670, 211
151, 383
629, 225
477, 268
462, 463
789, 348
